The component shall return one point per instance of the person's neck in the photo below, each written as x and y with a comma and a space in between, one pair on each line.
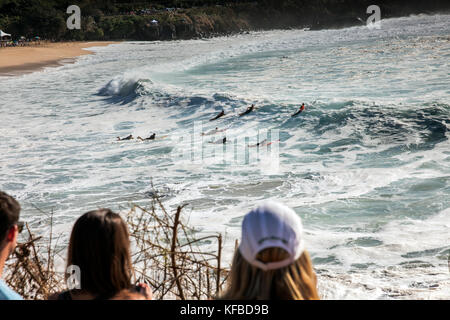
3, 257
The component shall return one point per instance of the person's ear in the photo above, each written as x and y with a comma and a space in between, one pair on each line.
12, 234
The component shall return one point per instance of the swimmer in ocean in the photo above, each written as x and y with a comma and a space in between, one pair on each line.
130, 137
262, 143
221, 114
249, 109
300, 110
210, 132
152, 137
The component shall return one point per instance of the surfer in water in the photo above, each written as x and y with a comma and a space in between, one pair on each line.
262, 143
210, 132
216, 130
130, 137
152, 137
221, 114
249, 109
300, 110
223, 141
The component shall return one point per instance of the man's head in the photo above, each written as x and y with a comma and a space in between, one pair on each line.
9, 218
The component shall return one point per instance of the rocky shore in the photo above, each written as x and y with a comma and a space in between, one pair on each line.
207, 22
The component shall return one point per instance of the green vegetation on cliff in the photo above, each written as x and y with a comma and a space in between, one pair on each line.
185, 19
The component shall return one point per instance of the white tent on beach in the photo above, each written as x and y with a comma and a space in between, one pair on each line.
4, 34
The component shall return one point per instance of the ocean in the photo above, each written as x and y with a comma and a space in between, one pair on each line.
366, 165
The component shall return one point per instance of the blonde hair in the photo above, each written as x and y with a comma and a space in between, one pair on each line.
296, 281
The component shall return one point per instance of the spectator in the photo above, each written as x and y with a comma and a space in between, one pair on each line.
10, 227
100, 246
271, 262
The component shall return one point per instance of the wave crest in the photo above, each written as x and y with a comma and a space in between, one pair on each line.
125, 88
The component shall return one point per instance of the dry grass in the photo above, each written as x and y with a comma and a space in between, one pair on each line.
31, 270
166, 254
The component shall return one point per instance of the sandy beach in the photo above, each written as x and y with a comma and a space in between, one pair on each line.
21, 60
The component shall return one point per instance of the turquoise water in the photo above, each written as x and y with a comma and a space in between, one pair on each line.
366, 166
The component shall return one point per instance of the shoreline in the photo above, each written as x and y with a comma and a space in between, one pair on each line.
16, 61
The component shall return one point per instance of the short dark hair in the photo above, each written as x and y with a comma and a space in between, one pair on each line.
100, 246
9, 213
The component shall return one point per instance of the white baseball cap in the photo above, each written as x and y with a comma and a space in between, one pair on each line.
271, 225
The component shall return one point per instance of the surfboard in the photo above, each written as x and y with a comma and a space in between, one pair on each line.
217, 117
264, 143
220, 141
297, 113
127, 140
244, 114
209, 133
161, 137
156, 139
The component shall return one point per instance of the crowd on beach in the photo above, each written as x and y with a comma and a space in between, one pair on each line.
22, 42
271, 262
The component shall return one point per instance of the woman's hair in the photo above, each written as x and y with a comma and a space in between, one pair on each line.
9, 213
296, 281
100, 247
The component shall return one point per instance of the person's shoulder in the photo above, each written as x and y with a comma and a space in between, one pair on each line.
54, 296
6, 293
141, 291
129, 295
